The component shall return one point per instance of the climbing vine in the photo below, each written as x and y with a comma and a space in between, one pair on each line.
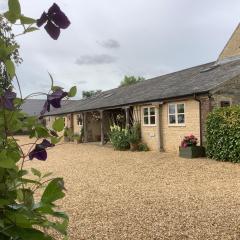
23, 216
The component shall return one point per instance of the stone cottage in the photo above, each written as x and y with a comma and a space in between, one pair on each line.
168, 107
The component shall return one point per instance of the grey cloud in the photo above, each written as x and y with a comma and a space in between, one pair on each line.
110, 43
95, 59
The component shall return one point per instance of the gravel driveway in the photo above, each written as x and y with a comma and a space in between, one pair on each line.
147, 195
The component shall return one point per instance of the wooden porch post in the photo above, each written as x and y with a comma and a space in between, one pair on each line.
85, 126
102, 126
158, 126
161, 127
159, 118
127, 117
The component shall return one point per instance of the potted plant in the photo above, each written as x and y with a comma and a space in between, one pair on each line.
134, 137
189, 148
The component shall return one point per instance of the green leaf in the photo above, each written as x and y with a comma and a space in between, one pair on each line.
61, 227
41, 132
27, 234
58, 124
53, 191
55, 140
5, 162
31, 29
72, 91
27, 20
36, 172
22, 173
14, 7
11, 16
13, 155
47, 174
4, 202
55, 88
11, 48
10, 68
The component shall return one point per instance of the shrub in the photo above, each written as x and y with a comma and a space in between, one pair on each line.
134, 134
223, 134
119, 138
142, 147
189, 141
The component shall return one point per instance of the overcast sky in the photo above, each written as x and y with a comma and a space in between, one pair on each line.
108, 39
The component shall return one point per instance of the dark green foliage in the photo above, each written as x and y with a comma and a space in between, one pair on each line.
223, 134
129, 80
142, 147
134, 134
88, 94
119, 138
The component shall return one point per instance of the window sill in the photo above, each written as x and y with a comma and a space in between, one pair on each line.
149, 125
176, 125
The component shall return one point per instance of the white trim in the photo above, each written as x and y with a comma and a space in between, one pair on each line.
149, 116
176, 115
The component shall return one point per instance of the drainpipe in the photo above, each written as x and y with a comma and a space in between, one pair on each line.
200, 117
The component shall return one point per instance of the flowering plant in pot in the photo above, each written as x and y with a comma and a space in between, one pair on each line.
188, 141
189, 148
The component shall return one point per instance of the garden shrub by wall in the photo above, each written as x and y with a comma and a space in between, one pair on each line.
223, 134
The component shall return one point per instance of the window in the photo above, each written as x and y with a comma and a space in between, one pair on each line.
176, 114
225, 104
79, 120
149, 116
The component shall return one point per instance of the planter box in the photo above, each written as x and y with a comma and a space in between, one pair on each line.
192, 152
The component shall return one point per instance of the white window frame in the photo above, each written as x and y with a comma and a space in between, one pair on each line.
176, 114
149, 116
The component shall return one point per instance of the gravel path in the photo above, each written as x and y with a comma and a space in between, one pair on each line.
148, 195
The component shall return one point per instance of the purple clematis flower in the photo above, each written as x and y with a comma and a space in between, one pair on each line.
39, 152
7, 99
54, 99
55, 20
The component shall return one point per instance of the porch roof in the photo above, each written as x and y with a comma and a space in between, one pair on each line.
195, 80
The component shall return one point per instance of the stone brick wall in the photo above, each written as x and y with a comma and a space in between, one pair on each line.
149, 133
232, 47
173, 134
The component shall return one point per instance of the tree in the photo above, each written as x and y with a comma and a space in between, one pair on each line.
88, 94
129, 80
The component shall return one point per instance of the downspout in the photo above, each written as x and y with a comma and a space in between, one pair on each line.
200, 117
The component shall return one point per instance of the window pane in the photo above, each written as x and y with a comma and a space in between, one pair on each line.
152, 111
145, 120
180, 108
145, 111
172, 119
171, 109
181, 118
225, 103
152, 120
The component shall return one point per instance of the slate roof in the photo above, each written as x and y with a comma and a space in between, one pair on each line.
33, 107
195, 80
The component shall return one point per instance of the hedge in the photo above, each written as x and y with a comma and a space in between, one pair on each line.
223, 134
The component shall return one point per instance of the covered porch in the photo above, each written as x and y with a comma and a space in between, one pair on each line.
96, 124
